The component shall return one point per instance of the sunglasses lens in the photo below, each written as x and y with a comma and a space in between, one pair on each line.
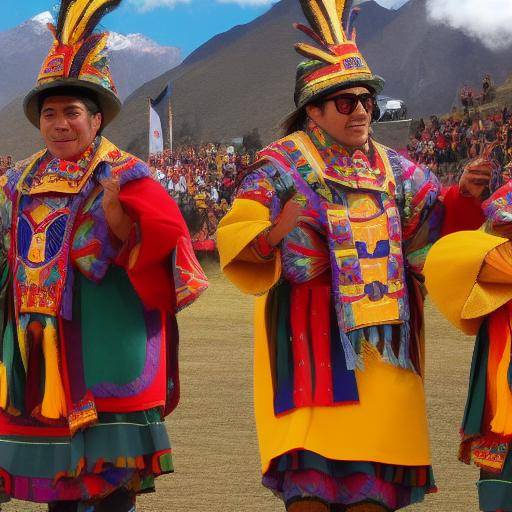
368, 102
345, 104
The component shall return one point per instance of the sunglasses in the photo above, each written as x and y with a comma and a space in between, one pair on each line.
347, 102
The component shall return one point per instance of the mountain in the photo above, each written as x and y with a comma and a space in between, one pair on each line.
135, 58
399, 4
240, 80
243, 79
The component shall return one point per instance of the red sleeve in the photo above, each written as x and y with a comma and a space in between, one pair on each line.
461, 213
147, 259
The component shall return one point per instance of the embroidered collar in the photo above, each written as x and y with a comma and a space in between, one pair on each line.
50, 174
365, 170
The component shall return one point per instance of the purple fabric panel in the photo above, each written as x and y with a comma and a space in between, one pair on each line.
173, 373
154, 331
348, 490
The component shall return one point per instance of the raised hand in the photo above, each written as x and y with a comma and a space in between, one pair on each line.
117, 220
287, 221
476, 178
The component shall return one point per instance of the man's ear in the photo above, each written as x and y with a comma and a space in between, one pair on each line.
313, 111
96, 121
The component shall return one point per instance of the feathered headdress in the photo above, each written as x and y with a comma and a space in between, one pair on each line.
78, 58
335, 61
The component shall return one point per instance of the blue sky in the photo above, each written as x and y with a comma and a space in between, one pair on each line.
183, 23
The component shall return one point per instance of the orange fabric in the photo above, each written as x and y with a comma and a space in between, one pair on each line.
499, 396
497, 267
498, 326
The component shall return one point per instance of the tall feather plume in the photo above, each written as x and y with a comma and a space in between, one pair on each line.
324, 16
345, 15
309, 32
351, 30
64, 6
310, 52
78, 18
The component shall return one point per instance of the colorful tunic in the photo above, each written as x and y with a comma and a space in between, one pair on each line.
88, 365
339, 346
487, 424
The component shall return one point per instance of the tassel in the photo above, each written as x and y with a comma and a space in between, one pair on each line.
388, 353
3, 387
54, 399
22, 339
373, 336
357, 339
350, 353
404, 357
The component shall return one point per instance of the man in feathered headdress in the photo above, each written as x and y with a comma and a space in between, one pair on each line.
332, 228
95, 262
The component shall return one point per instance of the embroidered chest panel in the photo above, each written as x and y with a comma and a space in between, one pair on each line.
43, 231
365, 240
361, 221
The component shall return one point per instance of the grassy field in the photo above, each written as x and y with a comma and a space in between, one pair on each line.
213, 434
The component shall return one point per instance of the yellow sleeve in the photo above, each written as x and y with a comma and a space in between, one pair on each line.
456, 284
243, 223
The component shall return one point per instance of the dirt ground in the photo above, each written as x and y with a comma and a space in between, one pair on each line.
213, 433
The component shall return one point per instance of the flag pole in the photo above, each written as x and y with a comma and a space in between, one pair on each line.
149, 128
170, 126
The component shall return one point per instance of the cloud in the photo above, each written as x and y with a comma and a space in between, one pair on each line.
490, 21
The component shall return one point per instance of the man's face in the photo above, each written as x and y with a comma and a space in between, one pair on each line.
67, 127
350, 130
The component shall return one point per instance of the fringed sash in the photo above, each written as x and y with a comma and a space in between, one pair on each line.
324, 188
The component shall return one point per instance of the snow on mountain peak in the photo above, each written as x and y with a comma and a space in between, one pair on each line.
116, 42
43, 18
39, 22
136, 42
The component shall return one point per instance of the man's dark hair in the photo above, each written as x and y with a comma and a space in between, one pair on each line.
297, 120
88, 98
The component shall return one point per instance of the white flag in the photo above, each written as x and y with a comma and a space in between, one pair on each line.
156, 140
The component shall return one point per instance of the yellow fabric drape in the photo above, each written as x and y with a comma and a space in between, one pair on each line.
243, 223
389, 425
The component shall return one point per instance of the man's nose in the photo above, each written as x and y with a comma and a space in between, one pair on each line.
61, 123
360, 110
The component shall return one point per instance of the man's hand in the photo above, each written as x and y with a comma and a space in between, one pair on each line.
117, 220
111, 189
476, 178
287, 221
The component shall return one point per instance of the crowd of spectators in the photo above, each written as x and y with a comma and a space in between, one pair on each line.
5, 163
443, 144
469, 98
202, 181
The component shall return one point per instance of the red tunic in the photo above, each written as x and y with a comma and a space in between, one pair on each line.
462, 213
